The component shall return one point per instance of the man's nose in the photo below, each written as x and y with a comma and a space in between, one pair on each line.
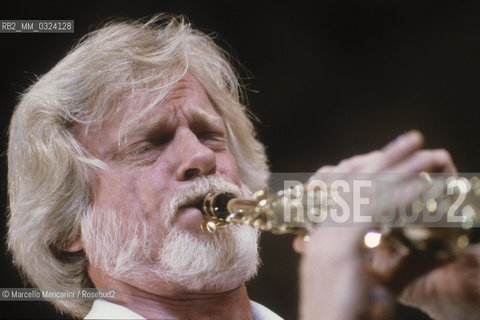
196, 159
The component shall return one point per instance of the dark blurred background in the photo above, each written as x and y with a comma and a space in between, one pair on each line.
328, 80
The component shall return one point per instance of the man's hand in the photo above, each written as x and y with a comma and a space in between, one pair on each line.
339, 282
450, 292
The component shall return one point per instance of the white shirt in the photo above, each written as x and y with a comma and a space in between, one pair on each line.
103, 309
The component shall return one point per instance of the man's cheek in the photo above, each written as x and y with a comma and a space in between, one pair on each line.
115, 191
227, 167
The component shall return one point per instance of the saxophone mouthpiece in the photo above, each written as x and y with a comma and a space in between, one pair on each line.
215, 205
214, 209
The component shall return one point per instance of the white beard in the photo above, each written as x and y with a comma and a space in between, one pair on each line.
128, 249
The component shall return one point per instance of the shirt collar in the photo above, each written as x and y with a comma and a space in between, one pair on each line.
103, 309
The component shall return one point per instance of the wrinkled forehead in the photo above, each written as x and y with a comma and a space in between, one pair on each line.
186, 96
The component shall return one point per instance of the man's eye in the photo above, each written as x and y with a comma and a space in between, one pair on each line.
212, 136
215, 141
141, 150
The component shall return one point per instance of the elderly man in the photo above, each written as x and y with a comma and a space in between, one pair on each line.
110, 154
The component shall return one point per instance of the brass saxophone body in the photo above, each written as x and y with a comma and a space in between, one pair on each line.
267, 212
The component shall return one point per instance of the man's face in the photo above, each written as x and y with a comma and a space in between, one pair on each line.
159, 155
146, 222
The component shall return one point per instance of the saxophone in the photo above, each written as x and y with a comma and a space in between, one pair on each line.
447, 198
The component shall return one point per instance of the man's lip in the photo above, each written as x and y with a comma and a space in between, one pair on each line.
194, 203
186, 216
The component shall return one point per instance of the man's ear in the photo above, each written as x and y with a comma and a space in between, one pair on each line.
74, 247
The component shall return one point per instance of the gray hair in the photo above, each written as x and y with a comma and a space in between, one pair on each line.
49, 171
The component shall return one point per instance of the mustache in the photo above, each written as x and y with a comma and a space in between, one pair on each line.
193, 194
